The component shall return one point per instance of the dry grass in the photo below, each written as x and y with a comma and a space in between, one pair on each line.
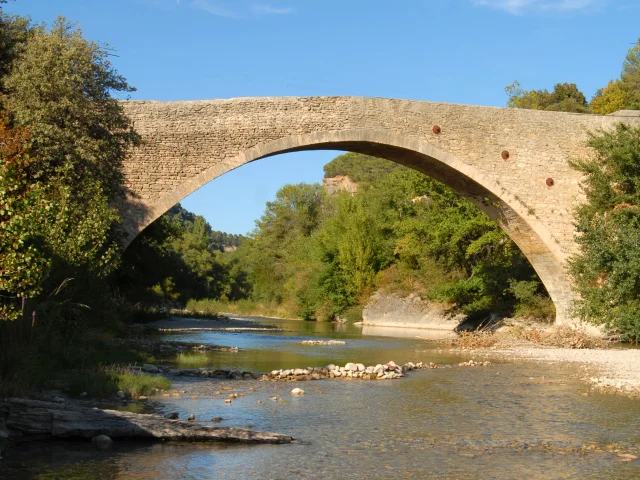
475, 340
562, 337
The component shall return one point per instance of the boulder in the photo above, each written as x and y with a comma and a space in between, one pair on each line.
172, 416
148, 368
297, 391
102, 441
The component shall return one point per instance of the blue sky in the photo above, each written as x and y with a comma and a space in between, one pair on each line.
458, 51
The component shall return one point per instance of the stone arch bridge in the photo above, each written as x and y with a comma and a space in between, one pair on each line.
512, 163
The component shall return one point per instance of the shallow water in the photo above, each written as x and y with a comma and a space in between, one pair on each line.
503, 421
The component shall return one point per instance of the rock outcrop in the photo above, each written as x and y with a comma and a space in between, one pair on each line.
338, 184
392, 310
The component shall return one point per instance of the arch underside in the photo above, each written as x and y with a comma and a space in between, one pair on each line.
531, 236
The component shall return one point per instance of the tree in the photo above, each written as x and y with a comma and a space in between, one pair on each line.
609, 99
22, 202
14, 31
607, 270
624, 93
59, 88
565, 97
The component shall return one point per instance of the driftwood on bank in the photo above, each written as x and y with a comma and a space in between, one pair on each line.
48, 419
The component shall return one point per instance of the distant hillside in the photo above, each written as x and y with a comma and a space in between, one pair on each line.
360, 168
217, 240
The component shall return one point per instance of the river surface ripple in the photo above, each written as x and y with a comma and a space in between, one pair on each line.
504, 421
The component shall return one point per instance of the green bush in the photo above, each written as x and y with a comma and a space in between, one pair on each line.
607, 270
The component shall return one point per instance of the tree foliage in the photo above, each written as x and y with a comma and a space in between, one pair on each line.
565, 97
623, 93
607, 271
61, 186
322, 254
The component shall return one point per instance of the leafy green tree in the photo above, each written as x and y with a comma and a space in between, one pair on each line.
59, 88
565, 97
607, 271
22, 203
14, 31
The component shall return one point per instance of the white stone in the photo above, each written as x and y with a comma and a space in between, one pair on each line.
297, 391
360, 367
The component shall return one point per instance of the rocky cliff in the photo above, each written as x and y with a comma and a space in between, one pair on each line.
339, 183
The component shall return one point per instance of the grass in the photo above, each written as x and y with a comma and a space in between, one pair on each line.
40, 355
106, 381
192, 360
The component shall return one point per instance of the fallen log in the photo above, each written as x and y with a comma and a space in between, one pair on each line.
40, 419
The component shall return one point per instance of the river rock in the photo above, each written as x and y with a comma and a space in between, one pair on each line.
175, 372
360, 367
172, 416
102, 441
217, 419
351, 367
330, 367
191, 417
148, 368
297, 391
121, 394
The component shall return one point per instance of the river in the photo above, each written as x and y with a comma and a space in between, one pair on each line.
507, 420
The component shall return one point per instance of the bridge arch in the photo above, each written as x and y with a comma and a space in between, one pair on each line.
503, 206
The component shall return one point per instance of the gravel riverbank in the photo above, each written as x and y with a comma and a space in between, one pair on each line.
606, 369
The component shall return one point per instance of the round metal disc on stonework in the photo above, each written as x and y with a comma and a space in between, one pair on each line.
550, 182
436, 129
505, 155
